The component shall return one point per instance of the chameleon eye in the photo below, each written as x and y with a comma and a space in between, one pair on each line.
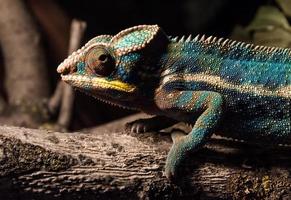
100, 61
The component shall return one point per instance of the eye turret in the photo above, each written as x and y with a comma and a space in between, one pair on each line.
100, 61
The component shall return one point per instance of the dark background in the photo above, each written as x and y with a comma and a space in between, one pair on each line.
176, 17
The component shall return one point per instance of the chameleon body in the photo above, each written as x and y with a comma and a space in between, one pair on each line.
218, 85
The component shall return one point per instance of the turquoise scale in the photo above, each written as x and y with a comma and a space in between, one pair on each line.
238, 65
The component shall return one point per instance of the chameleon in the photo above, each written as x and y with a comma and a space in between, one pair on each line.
222, 86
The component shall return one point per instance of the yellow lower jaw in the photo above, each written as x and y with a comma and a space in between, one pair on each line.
116, 85
77, 80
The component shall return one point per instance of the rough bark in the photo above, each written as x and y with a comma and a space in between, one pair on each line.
23, 55
104, 163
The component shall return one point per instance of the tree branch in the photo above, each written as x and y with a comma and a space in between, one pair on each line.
77, 31
2, 104
103, 163
63, 96
23, 55
55, 23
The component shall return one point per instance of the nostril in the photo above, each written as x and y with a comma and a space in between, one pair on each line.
66, 70
63, 70
74, 69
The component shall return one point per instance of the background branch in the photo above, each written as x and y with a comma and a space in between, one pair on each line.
56, 25
23, 54
77, 30
2, 104
64, 94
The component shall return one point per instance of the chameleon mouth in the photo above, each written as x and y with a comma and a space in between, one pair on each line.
97, 82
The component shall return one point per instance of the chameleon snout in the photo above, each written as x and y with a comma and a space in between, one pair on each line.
66, 68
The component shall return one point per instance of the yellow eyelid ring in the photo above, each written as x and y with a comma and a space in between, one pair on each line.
97, 82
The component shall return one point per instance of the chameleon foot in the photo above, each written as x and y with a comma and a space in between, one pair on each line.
151, 124
138, 126
176, 154
175, 158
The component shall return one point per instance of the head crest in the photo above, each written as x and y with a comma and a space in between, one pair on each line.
133, 39
99, 39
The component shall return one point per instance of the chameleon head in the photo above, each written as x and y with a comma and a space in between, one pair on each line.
107, 65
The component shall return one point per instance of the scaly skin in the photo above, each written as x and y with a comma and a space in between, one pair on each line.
239, 90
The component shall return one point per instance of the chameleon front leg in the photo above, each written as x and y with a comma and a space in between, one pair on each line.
186, 105
155, 123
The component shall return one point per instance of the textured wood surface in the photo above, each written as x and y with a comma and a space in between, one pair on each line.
108, 163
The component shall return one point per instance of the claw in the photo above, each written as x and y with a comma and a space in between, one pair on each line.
176, 135
169, 175
138, 129
132, 129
